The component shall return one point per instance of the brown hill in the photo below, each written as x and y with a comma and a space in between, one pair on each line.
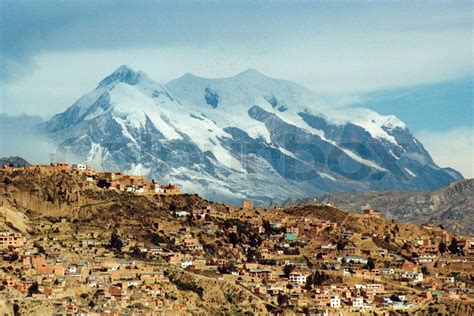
451, 206
46, 192
47, 196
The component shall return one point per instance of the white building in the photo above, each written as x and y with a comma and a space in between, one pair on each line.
297, 278
135, 189
415, 276
387, 271
186, 263
79, 167
335, 302
425, 258
181, 213
358, 302
128, 283
328, 246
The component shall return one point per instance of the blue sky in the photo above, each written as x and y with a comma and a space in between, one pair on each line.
439, 106
412, 59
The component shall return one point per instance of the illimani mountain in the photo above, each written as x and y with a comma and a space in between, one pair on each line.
247, 136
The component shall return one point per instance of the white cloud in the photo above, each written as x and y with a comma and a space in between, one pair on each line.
333, 49
454, 148
330, 64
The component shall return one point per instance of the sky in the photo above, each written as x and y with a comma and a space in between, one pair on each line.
394, 57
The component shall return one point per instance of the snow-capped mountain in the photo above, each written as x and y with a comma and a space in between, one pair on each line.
248, 136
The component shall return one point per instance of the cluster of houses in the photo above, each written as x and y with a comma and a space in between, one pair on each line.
303, 262
110, 180
265, 276
43, 269
12, 240
332, 279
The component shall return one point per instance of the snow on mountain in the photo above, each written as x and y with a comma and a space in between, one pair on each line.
247, 136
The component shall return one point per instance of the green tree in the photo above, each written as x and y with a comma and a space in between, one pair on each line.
282, 299
16, 309
288, 269
34, 289
268, 227
104, 184
425, 271
309, 282
39, 247
454, 247
136, 252
395, 298
370, 264
255, 240
319, 278
442, 247
173, 207
115, 242
340, 245
234, 239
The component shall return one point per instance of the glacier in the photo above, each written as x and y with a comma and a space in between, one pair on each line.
246, 136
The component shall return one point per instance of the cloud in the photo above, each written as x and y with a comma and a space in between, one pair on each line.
20, 137
334, 38
53, 52
454, 148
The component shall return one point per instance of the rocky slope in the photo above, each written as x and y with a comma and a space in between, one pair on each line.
43, 192
248, 136
451, 206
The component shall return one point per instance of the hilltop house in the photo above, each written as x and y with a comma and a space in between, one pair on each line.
371, 213
11, 239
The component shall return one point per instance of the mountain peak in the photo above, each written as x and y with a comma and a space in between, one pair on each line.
123, 74
123, 70
251, 72
246, 75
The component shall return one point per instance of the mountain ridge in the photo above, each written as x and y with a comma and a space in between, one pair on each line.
451, 206
247, 136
